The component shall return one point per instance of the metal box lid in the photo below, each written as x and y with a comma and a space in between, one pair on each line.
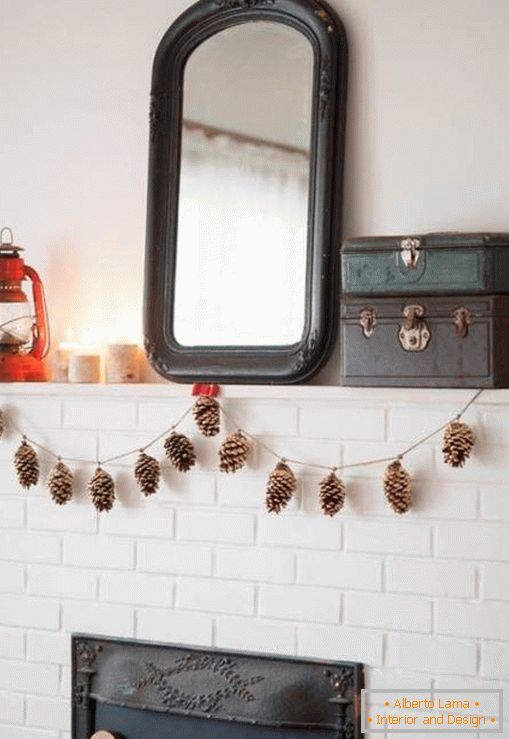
433, 240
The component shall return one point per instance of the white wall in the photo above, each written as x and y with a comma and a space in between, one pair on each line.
422, 599
427, 134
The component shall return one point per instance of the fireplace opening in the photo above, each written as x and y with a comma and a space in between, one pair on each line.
144, 690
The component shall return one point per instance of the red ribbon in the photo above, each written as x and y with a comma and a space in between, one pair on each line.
201, 388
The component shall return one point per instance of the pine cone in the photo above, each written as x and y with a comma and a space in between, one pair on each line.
27, 465
398, 487
457, 443
180, 451
102, 489
2, 423
233, 452
60, 483
332, 494
281, 486
147, 472
206, 412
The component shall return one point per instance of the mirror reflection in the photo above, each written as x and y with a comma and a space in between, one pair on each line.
244, 188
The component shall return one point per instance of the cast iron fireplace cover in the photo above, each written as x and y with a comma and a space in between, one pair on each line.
144, 690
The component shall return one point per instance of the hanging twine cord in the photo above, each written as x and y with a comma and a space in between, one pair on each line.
255, 439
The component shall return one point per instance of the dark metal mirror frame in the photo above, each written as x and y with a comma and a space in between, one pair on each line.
247, 364
267, 691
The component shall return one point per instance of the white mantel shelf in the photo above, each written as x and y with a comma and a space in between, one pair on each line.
329, 393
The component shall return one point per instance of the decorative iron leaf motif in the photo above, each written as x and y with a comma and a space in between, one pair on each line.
224, 668
87, 654
307, 351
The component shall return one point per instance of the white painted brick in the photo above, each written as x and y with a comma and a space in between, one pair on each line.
12, 708
299, 603
12, 512
103, 551
314, 451
264, 418
342, 422
299, 531
495, 502
145, 520
495, 660
234, 528
174, 558
418, 463
197, 488
340, 642
69, 442
174, 626
223, 596
137, 588
99, 414
431, 654
12, 577
28, 677
24, 732
397, 612
61, 582
255, 635
241, 491
478, 541
98, 618
161, 414
47, 713
22, 610
488, 620
495, 427
12, 643
339, 569
113, 443
34, 412
43, 514
495, 579
443, 500
395, 537
49, 646
385, 679
266, 565
413, 421
29, 547
488, 464
431, 577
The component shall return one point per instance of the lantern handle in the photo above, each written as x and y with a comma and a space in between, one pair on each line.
11, 240
41, 342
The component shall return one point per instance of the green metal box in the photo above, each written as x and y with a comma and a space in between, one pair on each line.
432, 264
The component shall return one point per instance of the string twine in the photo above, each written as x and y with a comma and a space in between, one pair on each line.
254, 439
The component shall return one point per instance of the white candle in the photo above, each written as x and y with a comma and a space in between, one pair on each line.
84, 366
122, 363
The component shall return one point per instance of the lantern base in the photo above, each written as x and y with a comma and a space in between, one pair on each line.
21, 368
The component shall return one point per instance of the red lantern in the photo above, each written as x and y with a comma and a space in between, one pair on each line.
24, 335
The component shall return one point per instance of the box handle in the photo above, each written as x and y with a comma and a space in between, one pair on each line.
462, 319
410, 251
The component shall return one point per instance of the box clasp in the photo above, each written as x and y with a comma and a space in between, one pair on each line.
368, 321
410, 252
414, 334
462, 318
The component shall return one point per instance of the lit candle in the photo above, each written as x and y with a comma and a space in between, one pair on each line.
61, 359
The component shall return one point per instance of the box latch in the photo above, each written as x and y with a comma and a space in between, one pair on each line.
414, 334
368, 321
462, 318
410, 252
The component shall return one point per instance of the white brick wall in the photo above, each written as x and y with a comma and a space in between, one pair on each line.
422, 600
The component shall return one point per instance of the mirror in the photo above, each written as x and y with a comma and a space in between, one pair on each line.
244, 191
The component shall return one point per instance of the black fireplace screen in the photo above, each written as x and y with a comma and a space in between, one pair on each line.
142, 690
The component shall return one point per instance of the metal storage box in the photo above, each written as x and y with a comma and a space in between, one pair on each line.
426, 341
432, 264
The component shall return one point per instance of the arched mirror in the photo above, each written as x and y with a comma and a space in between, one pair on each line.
244, 202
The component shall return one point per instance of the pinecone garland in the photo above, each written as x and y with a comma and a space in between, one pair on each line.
398, 487
457, 443
147, 472
60, 483
280, 488
180, 451
27, 465
332, 494
233, 452
206, 412
102, 490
